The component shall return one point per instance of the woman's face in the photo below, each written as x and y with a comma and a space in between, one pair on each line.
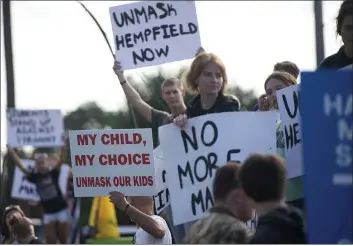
12, 215
210, 80
272, 86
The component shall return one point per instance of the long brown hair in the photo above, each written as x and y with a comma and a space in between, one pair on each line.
199, 63
285, 77
5, 230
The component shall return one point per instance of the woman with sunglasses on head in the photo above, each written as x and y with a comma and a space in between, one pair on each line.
10, 213
268, 102
46, 178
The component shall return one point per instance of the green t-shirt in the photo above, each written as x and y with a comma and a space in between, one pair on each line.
294, 186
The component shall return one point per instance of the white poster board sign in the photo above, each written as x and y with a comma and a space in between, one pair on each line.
24, 190
288, 105
37, 128
149, 33
112, 160
210, 141
162, 197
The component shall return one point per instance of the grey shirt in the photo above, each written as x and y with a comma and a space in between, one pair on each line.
159, 118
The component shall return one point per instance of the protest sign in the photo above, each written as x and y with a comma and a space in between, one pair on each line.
288, 105
161, 199
37, 128
25, 190
326, 99
192, 156
112, 160
149, 33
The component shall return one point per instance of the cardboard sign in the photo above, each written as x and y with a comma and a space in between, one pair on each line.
162, 197
327, 154
112, 160
210, 141
37, 128
24, 190
289, 108
149, 33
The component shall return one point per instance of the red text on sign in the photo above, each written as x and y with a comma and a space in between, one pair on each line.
124, 159
93, 182
117, 181
86, 139
83, 160
121, 138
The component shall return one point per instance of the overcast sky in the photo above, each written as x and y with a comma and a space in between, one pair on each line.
61, 59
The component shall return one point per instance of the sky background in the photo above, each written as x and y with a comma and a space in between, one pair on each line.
61, 60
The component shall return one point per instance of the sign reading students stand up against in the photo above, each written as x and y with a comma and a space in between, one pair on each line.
327, 155
149, 33
24, 190
36, 128
288, 105
112, 160
210, 141
162, 197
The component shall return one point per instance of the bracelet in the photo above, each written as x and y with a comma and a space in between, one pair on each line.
126, 208
123, 82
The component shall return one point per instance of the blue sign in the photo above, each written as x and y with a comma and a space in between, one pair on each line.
326, 107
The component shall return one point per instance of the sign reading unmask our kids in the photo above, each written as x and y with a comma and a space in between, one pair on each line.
149, 33
288, 105
112, 160
37, 128
192, 156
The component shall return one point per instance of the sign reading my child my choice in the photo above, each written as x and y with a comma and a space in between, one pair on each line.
112, 160
149, 33
192, 156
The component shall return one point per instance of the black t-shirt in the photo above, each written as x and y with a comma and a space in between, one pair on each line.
48, 190
36, 241
336, 61
284, 225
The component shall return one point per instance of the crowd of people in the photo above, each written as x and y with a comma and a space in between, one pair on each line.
259, 183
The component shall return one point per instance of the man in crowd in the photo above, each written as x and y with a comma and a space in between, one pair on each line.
23, 231
172, 93
344, 27
152, 229
263, 178
285, 66
226, 221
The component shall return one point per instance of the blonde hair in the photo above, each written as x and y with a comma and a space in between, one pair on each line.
284, 77
198, 65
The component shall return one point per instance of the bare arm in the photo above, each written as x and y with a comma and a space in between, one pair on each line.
17, 160
132, 95
147, 223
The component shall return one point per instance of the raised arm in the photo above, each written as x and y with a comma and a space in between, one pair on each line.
132, 95
17, 160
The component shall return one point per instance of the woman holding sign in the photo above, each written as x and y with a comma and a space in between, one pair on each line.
277, 81
207, 78
46, 178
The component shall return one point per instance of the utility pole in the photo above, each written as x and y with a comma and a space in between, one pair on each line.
319, 32
10, 77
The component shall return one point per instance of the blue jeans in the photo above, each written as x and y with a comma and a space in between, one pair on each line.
178, 231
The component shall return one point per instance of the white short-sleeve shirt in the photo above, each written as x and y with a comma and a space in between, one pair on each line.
142, 237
